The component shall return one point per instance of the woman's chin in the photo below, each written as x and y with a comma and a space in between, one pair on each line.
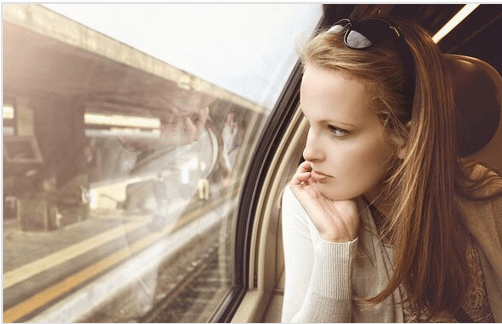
332, 194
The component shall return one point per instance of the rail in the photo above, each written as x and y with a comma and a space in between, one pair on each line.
67, 300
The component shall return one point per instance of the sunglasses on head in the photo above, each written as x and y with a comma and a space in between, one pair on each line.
360, 35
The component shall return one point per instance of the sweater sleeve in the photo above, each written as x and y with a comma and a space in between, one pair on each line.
318, 272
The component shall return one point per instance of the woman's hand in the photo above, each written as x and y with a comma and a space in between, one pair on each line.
336, 221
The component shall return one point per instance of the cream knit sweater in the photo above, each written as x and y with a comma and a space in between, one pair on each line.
322, 277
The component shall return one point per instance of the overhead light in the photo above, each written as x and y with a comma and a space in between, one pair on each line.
123, 132
121, 120
448, 27
8, 112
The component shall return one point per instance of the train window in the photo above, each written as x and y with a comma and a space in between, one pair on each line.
127, 134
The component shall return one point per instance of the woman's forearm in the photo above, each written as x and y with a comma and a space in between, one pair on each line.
318, 272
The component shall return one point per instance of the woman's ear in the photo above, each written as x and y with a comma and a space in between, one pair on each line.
402, 144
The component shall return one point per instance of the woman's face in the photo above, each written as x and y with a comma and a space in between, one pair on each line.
346, 143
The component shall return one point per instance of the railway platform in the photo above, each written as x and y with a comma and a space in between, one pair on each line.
69, 274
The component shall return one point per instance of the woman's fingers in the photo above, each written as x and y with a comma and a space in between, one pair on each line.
302, 175
304, 167
300, 178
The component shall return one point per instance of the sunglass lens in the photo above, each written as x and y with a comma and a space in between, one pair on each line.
336, 29
339, 26
357, 40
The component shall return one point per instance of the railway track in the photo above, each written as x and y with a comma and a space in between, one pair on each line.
196, 297
186, 288
138, 300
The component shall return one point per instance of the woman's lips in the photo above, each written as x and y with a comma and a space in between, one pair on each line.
319, 176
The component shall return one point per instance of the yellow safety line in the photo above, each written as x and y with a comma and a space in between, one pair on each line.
56, 290
73, 281
26, 271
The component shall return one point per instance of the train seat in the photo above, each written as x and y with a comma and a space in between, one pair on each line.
478, 99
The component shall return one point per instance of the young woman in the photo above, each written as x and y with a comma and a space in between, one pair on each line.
383, 222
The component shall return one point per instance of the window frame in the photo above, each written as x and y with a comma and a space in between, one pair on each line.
245, 232
272, 134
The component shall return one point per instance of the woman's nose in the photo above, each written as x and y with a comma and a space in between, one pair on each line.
313, 148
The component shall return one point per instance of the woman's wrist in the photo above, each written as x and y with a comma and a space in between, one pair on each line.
338, 238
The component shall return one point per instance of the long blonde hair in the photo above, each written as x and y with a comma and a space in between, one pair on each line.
428, 231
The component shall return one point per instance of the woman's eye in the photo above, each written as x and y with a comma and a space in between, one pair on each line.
338, 132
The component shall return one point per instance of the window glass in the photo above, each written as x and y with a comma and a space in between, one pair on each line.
128, 130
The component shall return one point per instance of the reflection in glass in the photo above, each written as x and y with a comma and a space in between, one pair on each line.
122, 208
